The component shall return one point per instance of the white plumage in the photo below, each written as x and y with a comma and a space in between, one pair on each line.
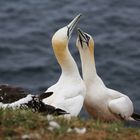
101, 102
69, 91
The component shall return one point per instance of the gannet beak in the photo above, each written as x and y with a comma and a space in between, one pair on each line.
72, 25
83, 37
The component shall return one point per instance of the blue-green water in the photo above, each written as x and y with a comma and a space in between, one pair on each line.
26, 28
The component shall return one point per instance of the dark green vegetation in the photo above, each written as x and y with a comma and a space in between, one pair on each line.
26, 125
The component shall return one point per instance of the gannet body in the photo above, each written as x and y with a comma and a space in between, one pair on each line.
16, 98
69, 91
101, 102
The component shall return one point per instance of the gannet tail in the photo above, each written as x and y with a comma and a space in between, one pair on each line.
136, 116
54, 111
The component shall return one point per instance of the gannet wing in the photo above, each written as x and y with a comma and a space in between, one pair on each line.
35, 104
136, 116
122, 107
16, 97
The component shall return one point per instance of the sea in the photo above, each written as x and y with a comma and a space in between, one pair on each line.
27, 26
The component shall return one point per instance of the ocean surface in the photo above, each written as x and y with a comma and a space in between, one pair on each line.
27, 26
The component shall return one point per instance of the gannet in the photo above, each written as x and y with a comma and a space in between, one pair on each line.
17, 98
101, 102
69, 91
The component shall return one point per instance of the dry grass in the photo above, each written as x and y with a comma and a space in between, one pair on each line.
26, 125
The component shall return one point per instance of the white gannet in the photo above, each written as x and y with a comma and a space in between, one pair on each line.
15, 97
69, 91
101, 102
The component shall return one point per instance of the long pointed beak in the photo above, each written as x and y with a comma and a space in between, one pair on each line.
72, 25
83, 37
81, 34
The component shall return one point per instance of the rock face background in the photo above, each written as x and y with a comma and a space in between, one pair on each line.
26, 55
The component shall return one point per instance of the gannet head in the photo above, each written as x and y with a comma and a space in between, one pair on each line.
61, 38
85, 42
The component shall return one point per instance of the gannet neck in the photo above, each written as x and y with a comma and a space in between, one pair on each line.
85, 45
60, 42
88, 66
66, 61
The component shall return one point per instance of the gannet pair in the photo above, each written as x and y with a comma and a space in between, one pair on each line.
15, 97
101, 102
70, 90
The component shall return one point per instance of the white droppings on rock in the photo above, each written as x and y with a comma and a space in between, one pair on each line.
30, 136
54, 124
50, 117
25, 137
69, 130
50, 128
80, 130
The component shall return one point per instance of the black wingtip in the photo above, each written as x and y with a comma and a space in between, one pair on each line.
59, 111
44, 95
136, 116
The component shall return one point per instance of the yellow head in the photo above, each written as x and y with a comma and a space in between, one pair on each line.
61, 38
